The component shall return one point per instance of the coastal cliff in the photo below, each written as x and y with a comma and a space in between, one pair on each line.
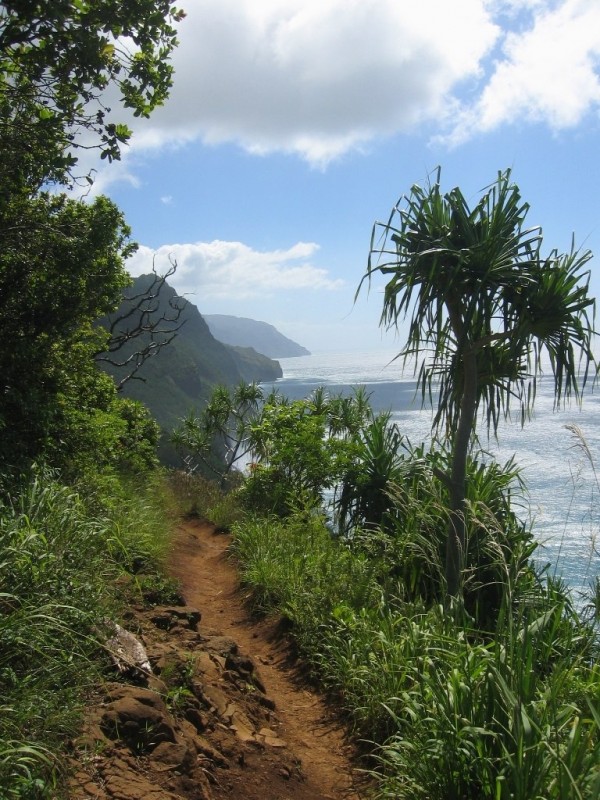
182, 374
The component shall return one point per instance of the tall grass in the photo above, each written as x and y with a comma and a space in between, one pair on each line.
57, 566
471, 705
587, 475
516, 717
197, 496
296, 566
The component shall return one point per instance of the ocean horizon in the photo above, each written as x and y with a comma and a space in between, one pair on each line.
558, 468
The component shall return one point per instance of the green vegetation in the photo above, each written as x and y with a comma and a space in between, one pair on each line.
81, 501
57, 58
217, 438
453, 713
62, 551
405, 572
62, 261
500, 701
486, 305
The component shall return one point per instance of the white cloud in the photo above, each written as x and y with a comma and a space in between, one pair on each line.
319, 78
547, 73
234, 271
316, 77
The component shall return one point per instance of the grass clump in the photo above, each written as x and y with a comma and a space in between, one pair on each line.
60, 553
202, 498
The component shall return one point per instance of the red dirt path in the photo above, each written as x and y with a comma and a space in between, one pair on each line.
303, 719
216, 707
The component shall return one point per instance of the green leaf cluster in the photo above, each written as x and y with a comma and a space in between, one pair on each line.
62, 266
62, 260
58, 58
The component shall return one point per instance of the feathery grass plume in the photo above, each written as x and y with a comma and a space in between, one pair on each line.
587, 477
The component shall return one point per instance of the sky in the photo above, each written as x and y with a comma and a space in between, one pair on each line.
294, 125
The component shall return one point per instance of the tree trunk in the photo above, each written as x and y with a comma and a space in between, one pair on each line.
456, 538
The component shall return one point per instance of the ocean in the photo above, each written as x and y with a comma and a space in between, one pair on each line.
562, 503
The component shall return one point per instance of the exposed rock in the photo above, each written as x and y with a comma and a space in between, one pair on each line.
222, 645
202, 729
138, 717
131, 786
173, 755
245, 667
197, 719
168, 616
155, 753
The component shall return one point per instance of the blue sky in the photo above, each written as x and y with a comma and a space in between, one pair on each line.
294, 125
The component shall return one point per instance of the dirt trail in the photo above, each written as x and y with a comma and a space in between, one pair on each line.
302, 718
204, 702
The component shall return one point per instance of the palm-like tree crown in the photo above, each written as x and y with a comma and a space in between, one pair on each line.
485, 306
474, 284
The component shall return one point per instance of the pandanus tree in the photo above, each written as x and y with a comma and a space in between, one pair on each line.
219, 436
486, 311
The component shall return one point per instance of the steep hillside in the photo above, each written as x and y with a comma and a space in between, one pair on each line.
243, 332
181, 375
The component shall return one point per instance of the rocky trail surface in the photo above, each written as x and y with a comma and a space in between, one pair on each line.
221, 709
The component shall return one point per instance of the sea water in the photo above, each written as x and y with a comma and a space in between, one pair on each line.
561, 502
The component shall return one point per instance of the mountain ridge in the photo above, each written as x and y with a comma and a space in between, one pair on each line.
261, 336
180, 376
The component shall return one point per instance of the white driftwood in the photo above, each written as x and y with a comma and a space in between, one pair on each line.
127, 652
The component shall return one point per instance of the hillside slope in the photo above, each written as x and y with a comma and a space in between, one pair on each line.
261, 336
181, 375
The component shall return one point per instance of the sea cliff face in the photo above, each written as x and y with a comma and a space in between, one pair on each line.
262, 337
255, 367
181, 375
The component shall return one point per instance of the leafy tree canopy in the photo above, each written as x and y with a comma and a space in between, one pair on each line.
58, 58
62, 261
56, 277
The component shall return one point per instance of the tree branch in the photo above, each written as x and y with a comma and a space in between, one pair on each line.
140, 322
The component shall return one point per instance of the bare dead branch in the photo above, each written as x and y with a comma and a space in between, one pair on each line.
145, 322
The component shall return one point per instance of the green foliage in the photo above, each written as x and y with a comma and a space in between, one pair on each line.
61, 267
52, 578
513, 719
363, 498
55, 280
387, 498
298, 449
62, 261
452, 712
296, 566
58, 563
134, 510
197, 496
484, 306
498, 547
306, 448
295, 458
218, 437
57, 59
